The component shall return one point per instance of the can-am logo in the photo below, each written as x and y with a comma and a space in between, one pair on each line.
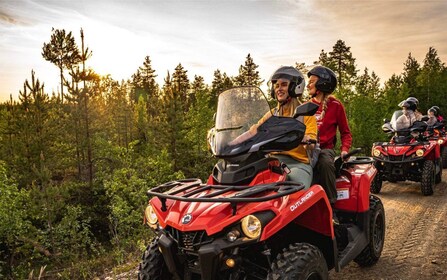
186, 219
301, 201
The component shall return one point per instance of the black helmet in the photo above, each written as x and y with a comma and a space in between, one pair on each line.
409, 104
327, 80
414, 99
297, 83
435, 110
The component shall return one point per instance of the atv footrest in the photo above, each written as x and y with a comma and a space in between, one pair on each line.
357, 242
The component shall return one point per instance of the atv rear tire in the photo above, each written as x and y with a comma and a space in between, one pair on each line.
428, 177
371, 254
153, 266
301, 261
376, 184
444, 157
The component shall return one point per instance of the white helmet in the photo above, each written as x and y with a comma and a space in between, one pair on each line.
296, 78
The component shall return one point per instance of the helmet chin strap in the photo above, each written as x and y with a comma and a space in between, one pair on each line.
288, 99
316, 93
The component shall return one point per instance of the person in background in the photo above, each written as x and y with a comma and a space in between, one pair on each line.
287, 85
432, 116
438, 113
417, 114
330, 116
408, 117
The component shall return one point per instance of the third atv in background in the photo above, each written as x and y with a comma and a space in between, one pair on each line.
409, 155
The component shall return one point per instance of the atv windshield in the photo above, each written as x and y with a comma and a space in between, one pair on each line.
238, 109
394, 118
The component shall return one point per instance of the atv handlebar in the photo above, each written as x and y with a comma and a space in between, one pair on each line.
339, 160
308, 142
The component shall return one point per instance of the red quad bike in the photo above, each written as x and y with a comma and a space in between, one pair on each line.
410, 155
247, 221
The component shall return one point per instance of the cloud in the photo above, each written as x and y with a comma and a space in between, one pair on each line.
207, 35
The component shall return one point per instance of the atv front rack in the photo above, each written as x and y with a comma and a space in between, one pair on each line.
185, 190
418, 143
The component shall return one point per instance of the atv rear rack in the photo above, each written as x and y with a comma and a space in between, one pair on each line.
183, 190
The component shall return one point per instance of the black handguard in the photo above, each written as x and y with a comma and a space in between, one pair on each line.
339, 160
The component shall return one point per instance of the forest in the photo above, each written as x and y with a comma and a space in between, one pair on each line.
75, 165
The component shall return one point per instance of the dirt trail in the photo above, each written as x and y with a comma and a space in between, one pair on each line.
415, 238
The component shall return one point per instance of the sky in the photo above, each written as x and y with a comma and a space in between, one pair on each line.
206, 35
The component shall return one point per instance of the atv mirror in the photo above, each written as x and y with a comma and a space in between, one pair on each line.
306, 109
387, 128
211, 139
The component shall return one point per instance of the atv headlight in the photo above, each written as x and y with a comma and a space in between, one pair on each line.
440, 141
151, 217
376, 152
251, 226
419, 152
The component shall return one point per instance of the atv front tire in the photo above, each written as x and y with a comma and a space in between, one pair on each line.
428, 177
376, 184
301, 261
371, 254
153, 266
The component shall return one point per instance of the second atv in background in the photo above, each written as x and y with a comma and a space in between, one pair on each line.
409, 155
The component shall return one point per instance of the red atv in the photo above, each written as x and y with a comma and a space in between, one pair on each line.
247, 221
410, 155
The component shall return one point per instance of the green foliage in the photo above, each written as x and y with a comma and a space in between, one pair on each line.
125, 194
199, 119
72, 235
13, 210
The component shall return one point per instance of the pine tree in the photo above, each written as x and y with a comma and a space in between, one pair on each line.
61, 51
81, 92
341, 61
411, 71
174, 106
323, 59
180, 87
431, 80
248, 75
221, 82
196, 161
368, 85
365, 110
145, 86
